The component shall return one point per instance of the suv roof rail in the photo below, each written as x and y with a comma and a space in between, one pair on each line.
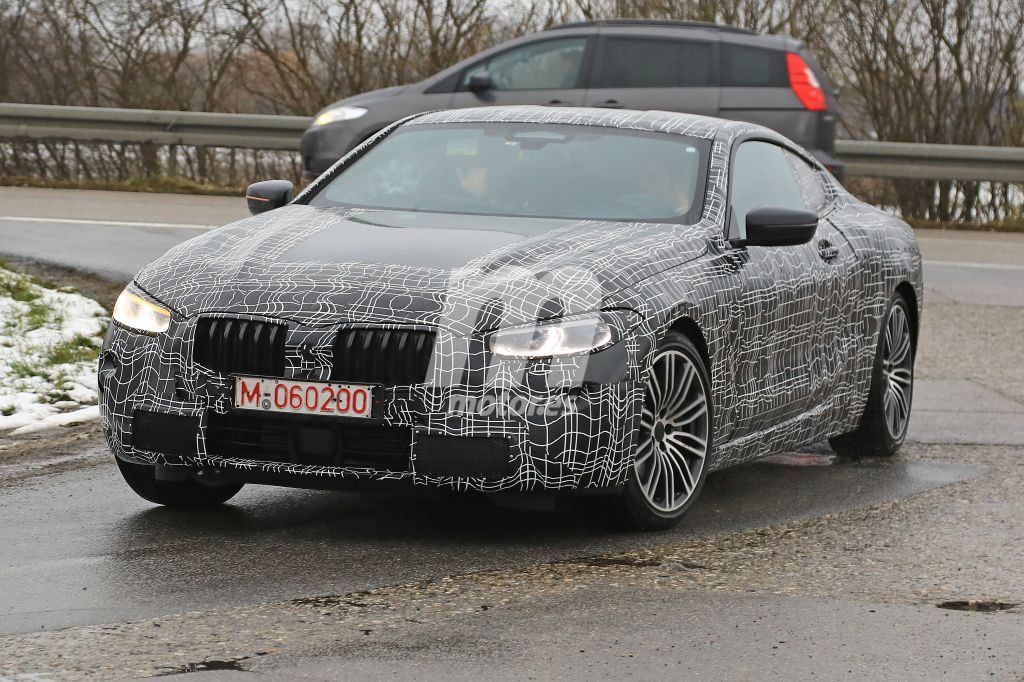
671, 23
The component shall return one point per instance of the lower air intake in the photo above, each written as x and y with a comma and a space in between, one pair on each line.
462, 457
168, 434
311, 441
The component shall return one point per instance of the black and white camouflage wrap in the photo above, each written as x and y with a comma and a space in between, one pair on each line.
790, 338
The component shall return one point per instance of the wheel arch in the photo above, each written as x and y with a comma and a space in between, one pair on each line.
906, 289
688, 326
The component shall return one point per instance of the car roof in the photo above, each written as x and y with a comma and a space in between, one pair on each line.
661, 23
693, 125
670, 28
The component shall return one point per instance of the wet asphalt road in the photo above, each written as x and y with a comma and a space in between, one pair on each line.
80, 548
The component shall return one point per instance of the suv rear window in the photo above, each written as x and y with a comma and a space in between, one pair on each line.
756, 67
644, 63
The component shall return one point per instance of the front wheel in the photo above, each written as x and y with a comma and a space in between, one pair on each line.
883, 427
188, 493
674, 439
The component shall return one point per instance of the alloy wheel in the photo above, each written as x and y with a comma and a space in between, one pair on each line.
897, 369
674, 425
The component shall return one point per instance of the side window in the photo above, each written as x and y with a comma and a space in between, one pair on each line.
546, 65
642, 63
753, 67
761, 176
809, 181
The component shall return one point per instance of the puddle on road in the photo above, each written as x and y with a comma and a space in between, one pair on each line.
611, 561
801, 459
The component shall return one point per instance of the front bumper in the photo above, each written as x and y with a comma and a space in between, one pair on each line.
159, 407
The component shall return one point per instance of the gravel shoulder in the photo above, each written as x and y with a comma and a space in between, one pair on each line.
55, 451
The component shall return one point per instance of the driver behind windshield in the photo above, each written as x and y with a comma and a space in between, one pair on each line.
528, 170
665, 185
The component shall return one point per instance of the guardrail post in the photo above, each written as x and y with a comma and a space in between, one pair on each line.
201, 165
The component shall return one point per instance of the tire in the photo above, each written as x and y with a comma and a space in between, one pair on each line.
189, 493
883, 426
675, 432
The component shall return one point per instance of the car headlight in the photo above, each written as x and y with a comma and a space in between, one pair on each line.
566, 336
338, 114
135, 312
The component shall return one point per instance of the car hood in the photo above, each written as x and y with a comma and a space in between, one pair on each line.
325, 266
370, 96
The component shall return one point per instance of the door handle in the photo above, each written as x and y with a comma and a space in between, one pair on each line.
611, 104
556, 101
827, 250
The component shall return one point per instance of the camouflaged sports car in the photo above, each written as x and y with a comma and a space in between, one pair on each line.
520, 298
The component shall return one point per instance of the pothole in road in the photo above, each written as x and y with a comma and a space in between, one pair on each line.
982, 605
205, 666
353, 599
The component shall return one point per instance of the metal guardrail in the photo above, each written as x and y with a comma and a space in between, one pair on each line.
98, 124
931, 161
251, 131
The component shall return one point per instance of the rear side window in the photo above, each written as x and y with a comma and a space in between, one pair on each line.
761, 176
642, 63
753, 67
544, 65
809, 180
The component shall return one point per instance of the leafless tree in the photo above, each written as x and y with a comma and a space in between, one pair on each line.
913, 70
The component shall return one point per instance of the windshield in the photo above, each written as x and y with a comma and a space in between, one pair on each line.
514, 169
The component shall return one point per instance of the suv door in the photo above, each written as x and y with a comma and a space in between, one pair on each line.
547, 71
790, 303
635, 72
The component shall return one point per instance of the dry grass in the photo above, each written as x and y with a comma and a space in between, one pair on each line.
163, 185
1008, 225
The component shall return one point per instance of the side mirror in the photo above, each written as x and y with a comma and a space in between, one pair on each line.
480, 81
268, 195
774, 226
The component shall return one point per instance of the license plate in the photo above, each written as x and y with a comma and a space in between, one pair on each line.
302, 397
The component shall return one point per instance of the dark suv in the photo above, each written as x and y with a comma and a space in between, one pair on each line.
627, 63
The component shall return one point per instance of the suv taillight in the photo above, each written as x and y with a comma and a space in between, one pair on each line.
804, 83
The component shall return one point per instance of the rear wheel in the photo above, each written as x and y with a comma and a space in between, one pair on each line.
188, 493
674, 438
883, 427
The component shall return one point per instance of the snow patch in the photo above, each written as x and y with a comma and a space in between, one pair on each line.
82, 416
49, 340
